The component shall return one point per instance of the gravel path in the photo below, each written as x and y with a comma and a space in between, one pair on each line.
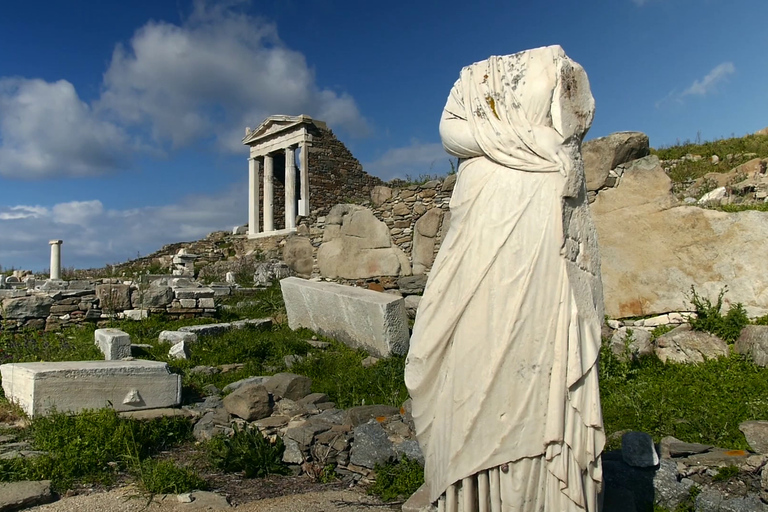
128, 499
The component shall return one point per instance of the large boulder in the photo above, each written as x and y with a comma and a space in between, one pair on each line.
753, 342
357, 245
31, 306
683, 345
606, 153
689, 246
250, 402
297, 254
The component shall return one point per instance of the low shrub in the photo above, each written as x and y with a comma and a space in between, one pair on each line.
397, 479
247, 450
710, 319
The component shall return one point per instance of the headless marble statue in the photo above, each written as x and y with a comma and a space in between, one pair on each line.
502, 367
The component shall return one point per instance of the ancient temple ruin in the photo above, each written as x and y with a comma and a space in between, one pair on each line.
279, 190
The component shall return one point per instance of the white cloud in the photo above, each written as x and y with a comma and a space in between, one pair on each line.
23, 212
94, 235
414, 160
205, 79
47, 131
216, 73
701, 87
81, 213
709, 83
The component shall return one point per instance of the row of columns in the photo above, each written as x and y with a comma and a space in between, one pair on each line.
269, 192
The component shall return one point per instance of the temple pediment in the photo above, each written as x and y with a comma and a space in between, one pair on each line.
278, 124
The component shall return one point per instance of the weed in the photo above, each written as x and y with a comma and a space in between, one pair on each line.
164, 477
397, 479
709, 319
661, 330
247, 450
725, 473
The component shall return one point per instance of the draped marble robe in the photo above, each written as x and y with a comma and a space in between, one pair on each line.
502, 367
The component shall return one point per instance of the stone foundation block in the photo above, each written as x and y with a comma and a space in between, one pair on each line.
113, 343
72, 386
360, 318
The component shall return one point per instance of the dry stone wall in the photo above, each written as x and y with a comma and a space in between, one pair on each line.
335, 175
50, 305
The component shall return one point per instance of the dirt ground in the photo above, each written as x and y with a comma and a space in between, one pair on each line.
129, 499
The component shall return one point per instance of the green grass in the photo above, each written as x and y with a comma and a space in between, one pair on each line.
92, 446
701, 403
74, 344
690, 170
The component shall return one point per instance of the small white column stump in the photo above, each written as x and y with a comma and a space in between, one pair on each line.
113, 343
72, 386
374, 321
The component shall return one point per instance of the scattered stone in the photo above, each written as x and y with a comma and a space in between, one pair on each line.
638, 450
673, 447
370, 446
179, 351
669, 491
756, 432
212, 423
177, 336
249, 402
204, 370
206, 500
292, 359
288, 385
412, 305
24, 494
369, 361
268, 272
628, 343
240, 383
683, 345
217, 329
363, 413
292, 453
319, 344
136, 314
113, 343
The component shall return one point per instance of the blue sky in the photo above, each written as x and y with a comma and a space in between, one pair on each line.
121, 122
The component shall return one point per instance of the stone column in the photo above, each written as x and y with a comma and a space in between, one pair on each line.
269, 195
290, 188
56, 258
253, 196
304, 176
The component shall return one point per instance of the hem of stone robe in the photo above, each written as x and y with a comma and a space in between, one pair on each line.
525, 485
490, 230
